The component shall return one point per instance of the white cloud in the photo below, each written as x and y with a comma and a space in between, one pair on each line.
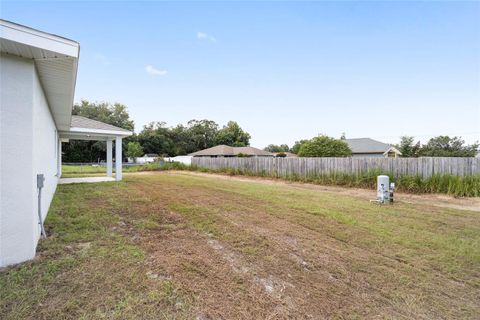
205, 36
157, 72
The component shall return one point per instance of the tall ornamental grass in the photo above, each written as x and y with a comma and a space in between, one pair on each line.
467, 186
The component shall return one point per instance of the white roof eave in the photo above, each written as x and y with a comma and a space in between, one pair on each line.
56, 59
38, 39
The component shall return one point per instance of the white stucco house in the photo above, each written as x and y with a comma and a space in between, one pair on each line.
38, 71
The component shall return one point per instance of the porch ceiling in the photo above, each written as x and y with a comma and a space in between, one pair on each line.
71, 135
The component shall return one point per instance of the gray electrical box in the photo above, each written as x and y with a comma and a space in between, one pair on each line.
40, 180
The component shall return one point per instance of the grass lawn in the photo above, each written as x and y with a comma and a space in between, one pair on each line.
70, 171
181, 246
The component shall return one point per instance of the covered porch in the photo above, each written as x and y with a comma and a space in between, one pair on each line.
87, 129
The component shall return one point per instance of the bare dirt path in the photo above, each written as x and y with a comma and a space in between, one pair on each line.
438, 200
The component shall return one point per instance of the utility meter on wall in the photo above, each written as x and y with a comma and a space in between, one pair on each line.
40, 180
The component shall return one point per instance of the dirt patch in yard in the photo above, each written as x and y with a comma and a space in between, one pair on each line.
224, 284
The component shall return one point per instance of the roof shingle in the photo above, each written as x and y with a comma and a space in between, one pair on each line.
367, 145
82, 122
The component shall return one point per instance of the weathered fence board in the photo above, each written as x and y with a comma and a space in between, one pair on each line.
307, 167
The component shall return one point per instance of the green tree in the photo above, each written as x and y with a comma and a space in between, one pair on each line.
203, 133
93, 151
407, 147
134, 150
115, 114
277, 148
156, 138
182, 143
444, 146
297, 145
323, 146
232, 135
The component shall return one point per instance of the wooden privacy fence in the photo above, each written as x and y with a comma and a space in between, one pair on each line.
308, 167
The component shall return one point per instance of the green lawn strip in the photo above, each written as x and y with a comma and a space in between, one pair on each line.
89, 169
69, 171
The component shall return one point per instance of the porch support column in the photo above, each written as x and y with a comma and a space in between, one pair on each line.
59, 160
118, 158
109, 158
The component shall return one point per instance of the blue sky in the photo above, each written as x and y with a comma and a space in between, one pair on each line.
283, 70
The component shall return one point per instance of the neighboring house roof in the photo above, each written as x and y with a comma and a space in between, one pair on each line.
227, 151
220, 150
367, 145
56, 62
251, 151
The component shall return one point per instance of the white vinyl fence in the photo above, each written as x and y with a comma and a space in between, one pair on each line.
308, 167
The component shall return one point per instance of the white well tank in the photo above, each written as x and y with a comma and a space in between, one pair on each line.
383, 189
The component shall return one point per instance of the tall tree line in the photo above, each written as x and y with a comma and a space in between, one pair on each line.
156, 137
440, 146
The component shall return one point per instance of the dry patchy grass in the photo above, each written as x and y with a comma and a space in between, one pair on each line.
178, 246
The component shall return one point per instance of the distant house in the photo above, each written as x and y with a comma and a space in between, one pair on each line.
227, 151
369, 148
147, 158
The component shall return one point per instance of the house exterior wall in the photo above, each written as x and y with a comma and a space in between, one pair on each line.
45, 144
27, 145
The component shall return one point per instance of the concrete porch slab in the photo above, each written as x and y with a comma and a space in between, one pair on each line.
85, 180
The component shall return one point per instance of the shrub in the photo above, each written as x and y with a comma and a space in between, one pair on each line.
134, 150
324, 146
